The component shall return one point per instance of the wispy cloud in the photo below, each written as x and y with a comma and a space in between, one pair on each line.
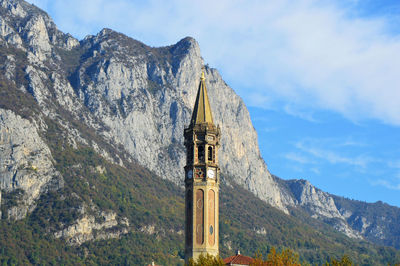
352, 143
297, 57
297, 158
386, 184
269, 129
318, 150
310, 53
305, 115
315, 170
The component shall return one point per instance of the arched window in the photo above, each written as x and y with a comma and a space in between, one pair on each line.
210, 154
201, 153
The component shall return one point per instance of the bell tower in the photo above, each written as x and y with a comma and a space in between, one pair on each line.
201, 179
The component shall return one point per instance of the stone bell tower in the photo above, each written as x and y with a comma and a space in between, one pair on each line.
202, 179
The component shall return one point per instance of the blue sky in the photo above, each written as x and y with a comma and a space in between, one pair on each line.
321, 78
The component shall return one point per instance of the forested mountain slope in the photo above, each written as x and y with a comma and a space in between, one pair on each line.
91, 154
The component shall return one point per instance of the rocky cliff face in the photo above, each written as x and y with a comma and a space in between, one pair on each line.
319, 205
136, 98
27, 169
86, 229
145, 97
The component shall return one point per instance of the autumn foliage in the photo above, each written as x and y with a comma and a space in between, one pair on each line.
207, 260
285, 258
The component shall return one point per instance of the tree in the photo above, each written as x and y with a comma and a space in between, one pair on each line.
345, 261
206, 260
286, 258
258, 259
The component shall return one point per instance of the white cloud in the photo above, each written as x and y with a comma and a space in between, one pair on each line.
269, 129
323, 151
296, 158
352, 143
305, 115
307, 53
315, 170
386, 184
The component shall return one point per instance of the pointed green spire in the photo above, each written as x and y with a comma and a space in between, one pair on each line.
202, 110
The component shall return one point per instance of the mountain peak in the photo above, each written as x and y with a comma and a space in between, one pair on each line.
187, 43
15, 7
20, 8
139, 98
25, 25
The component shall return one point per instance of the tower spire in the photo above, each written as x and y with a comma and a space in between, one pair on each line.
202, 110
202, 180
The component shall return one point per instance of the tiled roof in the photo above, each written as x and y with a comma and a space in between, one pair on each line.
238, 259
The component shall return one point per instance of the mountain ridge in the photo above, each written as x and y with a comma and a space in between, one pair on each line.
129, 102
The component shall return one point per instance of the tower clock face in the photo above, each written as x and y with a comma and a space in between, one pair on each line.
190, 174
211, 173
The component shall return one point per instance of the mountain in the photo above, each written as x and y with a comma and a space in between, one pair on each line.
92, 154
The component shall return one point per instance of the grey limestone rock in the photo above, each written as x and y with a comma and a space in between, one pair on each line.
139, 99
146, 100
86, 229
25, 26
317, 202
14, 7
26, 163
319, 205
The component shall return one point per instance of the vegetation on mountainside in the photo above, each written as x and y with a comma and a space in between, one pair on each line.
287, 258
373, 212
145, 199
206, 260
131, 191
246, 222
284, 258
12, 97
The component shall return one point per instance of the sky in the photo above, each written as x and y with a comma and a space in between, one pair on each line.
321, 79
